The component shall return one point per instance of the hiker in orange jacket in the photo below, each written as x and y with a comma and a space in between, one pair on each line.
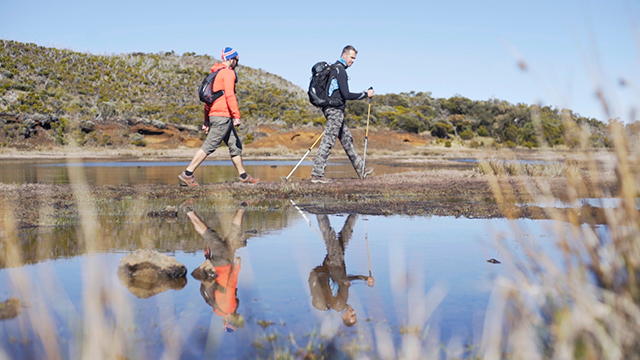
220, 119
219, 272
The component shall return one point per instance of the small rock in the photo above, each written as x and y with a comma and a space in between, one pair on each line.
168, 212
147, 273
10, 309
87, 126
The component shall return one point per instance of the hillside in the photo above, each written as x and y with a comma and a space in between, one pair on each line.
51, 96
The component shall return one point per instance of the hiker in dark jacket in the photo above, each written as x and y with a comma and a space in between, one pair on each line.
335, 126
334, 271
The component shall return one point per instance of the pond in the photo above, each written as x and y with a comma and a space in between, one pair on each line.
298, 277
136, 172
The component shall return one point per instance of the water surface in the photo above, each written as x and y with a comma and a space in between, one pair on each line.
118, 172
288, 257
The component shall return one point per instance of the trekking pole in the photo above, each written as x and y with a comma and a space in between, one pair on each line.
370, 280
304, 217
366, 138
305, 155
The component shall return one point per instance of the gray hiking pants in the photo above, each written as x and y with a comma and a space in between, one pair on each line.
335, 128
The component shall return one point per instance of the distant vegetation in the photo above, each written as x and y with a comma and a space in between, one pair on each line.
68, 88
152, 86
458, 117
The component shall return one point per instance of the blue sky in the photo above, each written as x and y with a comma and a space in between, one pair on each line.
471, 48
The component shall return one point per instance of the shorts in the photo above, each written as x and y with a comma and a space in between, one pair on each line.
222, 129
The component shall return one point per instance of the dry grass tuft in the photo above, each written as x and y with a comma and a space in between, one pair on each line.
501, 167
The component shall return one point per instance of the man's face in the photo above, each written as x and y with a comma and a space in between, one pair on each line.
234, 62
349, 56
349, 316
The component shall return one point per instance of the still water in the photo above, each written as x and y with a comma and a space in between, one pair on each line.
297, 275
136, 172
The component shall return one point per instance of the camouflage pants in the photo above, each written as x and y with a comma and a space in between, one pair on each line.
335, 128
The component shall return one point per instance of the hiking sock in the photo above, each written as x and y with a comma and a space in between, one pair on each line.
188, 173
243, 175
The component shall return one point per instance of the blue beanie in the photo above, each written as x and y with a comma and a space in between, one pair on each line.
228, 54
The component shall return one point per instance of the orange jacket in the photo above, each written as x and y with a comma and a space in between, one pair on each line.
225, 293
226, 105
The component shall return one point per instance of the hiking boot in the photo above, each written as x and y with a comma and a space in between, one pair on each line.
187, 180
320, 179
367, 171
248, 180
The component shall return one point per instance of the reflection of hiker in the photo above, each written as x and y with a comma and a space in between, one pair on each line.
335, 126
329, 283
220, 119
219, 272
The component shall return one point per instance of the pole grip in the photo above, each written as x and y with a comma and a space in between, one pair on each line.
315, 142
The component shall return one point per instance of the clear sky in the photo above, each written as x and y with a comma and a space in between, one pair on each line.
467, 47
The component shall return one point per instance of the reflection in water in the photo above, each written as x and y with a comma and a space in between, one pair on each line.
299, 275
147, 273
218, 274
329, 282
10, 308
163, 172
134, 223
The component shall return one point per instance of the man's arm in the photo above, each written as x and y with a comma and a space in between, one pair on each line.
205, 125
343, 86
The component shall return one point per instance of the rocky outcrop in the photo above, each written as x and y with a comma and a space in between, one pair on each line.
147, 273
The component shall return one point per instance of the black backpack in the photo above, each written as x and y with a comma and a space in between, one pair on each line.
319, 86
205, 91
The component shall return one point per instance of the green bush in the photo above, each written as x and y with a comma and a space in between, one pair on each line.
441, 130
447, 144
78, 136
409, 123
466, 135
139, 142
319, 121
482, 131
59, 127
106, 141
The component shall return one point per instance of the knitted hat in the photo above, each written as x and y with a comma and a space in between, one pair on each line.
228, 54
